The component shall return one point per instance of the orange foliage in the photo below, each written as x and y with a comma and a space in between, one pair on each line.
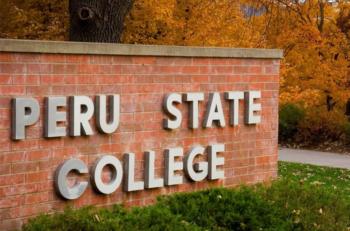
191, 22
34, 19
314, 59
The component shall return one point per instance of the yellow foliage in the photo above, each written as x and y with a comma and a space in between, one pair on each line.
191, 22
309, 98
152, 22
34, 19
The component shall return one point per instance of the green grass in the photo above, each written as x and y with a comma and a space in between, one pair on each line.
330, 179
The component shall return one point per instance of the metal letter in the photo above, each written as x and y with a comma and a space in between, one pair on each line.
215, 161
214, 111
96, 176
174, 113
193, 99
251, 108
103, 125
81, 111
234, 97
53, 116
171, 166
150, 179
129, 173
61, 179
25, 112
199, 171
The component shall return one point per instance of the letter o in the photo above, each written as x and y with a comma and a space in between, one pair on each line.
96, 176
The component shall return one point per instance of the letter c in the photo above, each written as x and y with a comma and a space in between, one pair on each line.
61, 175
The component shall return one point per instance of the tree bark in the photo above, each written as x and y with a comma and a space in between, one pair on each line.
97, 20
347, 109
330, 103
321, 18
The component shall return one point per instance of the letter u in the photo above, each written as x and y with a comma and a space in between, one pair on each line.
105, 125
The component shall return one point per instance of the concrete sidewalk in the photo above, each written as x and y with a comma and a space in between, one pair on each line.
315, 157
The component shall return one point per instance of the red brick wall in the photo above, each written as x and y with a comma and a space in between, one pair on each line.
27, 167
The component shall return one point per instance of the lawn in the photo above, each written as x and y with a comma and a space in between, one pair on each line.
330, 179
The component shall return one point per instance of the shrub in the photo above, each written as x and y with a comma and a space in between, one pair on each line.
156, 218
88, 218
227, 209
320, 125
346, 129
282, 206
290, 116
117, 218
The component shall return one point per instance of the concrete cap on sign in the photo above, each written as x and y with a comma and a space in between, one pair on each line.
56, 47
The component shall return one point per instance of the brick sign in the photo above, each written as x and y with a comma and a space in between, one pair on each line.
97, 124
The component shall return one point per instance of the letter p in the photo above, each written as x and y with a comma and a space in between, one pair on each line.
25, 112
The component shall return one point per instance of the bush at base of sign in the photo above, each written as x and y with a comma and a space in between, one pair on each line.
284, 205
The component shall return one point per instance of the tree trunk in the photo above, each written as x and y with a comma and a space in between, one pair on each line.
321, 18
347, 109
97, 20
330, 103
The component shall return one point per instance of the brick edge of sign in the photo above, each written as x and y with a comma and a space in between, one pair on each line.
58, 47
